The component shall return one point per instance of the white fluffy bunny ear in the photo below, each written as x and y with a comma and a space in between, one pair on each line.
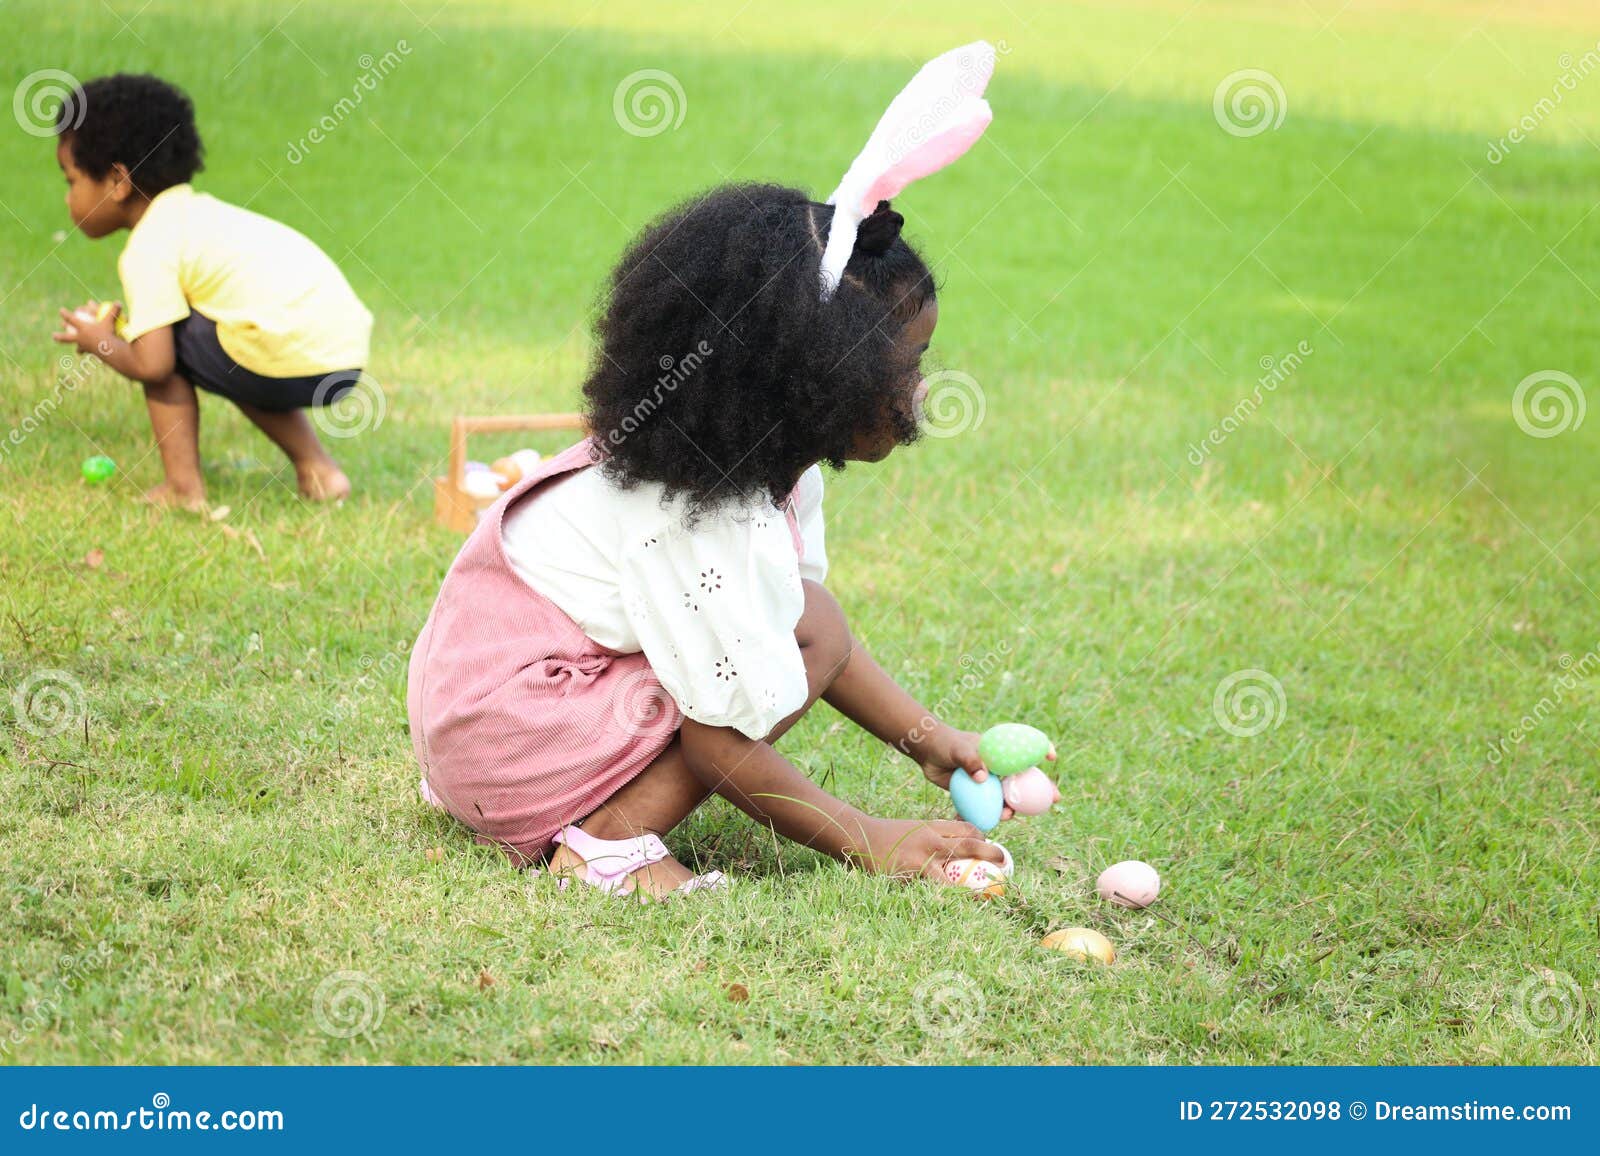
936, 118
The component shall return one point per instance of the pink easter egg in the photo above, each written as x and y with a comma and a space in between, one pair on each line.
1129, 884
1030, 792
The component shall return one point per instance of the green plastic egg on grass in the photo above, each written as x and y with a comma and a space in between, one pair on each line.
98, 469
1011, 748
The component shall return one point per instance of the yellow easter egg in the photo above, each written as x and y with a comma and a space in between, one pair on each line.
1083, 943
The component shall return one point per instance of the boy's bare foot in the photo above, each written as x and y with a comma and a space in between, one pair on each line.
177, 497
653, 881
321, 479
322, 482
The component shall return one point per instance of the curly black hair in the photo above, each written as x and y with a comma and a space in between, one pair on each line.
720, 373
139, 121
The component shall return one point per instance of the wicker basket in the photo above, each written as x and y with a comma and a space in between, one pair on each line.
453, 506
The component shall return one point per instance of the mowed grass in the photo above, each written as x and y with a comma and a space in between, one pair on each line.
220, 857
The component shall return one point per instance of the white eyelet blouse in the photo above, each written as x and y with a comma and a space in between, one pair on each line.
713, 608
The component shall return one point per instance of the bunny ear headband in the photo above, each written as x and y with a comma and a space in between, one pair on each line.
936, 118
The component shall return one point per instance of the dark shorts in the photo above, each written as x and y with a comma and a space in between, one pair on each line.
206, 365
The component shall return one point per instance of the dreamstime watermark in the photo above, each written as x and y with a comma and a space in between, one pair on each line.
975, 671
1275, 371
71, 970
160, 1116
1248, 703
649, 102
1548, 403
674, 373
948, 1004
1572, 71
615, 1035
48, 102
1249, 102
373, 71
347, 1004
950, 403
639, 702
349, 403
75, 370
970, 78
1577, 670
1547, 1003
48, 702
384, 671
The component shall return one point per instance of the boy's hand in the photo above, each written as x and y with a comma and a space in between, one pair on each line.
911, 848
91, 334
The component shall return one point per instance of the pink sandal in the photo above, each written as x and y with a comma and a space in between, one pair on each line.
607, 863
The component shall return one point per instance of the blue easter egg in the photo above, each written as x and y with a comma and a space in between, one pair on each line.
978, 803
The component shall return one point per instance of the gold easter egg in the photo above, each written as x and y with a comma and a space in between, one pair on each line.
1083, 943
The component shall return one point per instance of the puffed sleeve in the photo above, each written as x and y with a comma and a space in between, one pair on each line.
808, 513
714, 607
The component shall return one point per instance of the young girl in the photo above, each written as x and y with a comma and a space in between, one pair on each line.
635, 626
218, 297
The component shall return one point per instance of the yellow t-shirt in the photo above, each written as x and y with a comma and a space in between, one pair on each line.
281, 305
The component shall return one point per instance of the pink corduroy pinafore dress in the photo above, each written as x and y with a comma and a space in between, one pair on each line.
520, 721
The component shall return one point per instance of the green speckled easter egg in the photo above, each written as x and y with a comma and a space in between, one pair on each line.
1011, 748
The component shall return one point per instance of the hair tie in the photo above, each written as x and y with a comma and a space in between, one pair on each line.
935, 119
877, 234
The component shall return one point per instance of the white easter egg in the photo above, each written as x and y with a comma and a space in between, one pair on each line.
987, 879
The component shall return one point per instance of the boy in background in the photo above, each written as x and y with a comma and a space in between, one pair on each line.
217, 297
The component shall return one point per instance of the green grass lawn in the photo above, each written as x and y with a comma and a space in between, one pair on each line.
220, 856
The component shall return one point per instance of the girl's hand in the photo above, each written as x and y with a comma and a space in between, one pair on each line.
947, 749
912, 848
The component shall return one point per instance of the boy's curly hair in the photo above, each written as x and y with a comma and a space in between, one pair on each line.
719, 372
139, 121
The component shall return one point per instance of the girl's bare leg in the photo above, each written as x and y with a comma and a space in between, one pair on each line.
319, 475
666, 792
175, 421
